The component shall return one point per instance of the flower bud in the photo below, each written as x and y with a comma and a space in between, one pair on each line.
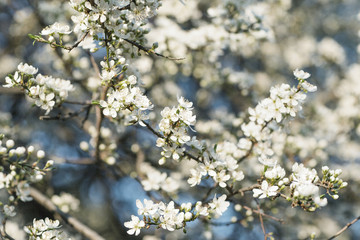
40, 154
3, 150
20, 150
11, 152
10, 143
49, 163
162, 161
188, 216
30, 149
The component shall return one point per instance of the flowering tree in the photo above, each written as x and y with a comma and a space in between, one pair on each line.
171, 124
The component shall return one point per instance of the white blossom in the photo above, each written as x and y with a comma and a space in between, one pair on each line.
27, 69
265, 191
219, 205
135, 225
59, 28
300, 74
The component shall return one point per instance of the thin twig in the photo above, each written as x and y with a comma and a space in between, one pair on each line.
77, 43
86, 116
94, 64
152, 130
77, 102
253, 210
345, 227
264, 214
64, 117
149, 50
186, 153
81, 161
253, 143
76, 224
248, 152
208, 193
261, 220
246, 189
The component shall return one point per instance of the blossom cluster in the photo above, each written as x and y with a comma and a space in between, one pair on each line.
45, 91
171, 217
284, 101
220, 164
174, 127
304, 185
237, 16
127, 101
45, 229
17, 172
121, 19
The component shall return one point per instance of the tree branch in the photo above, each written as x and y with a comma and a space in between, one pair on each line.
76, 224
186, 153
4, 234
149, 50
345, 227
66, 116
263, 214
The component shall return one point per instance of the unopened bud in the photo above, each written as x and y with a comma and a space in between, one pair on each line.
10, 143
40, 154
30, 149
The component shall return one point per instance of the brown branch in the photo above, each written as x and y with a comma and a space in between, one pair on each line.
66, 116
76, 224
152, 130
253, 210
345, 227
263, 214
243, 190
77, 102
86, 117
77, 43
261, 220
253, 142
4, 90
208, 193
187, 154
81, 161
149, 50
4, 234
94, 64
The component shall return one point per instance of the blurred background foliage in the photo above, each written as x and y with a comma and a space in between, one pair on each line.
226, 70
